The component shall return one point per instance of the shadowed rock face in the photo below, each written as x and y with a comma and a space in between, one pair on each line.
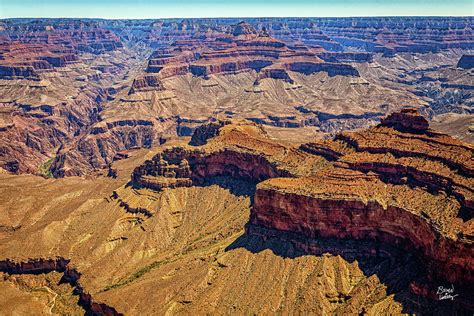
14, 72
466, 62
71, 276
205, 132
407, 120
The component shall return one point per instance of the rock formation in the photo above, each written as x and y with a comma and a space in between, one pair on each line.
240, 151
385, 211
413, 184
191, 154
407, 120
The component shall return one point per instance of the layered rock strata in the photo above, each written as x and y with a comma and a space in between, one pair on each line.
234, 52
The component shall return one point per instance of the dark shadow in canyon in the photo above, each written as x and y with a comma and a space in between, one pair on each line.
70, 276
236, 186
395, 268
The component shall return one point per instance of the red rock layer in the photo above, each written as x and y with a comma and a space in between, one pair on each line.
182, 168
240, 151
146, 83
407, 120
31, 48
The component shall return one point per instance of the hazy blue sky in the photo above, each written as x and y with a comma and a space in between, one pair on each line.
230, 8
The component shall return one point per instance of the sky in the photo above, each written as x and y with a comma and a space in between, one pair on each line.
143, 9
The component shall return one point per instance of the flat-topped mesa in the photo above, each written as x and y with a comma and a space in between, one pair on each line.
243, 28
351, 205
407, 119
243, 49
166, 170
466, 62
146, 83
398, 184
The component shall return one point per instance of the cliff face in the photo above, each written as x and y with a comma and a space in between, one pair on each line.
242, 48
179, 167
332, 69
315, 217
146, 83
407, 120
14, 72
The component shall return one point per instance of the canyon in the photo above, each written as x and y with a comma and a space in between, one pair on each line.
389, 208
85, 85
265, 165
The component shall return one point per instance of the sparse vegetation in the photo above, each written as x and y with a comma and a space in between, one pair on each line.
136, 275
45, 168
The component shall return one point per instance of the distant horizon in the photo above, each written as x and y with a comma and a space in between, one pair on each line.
208, 9
237, 17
